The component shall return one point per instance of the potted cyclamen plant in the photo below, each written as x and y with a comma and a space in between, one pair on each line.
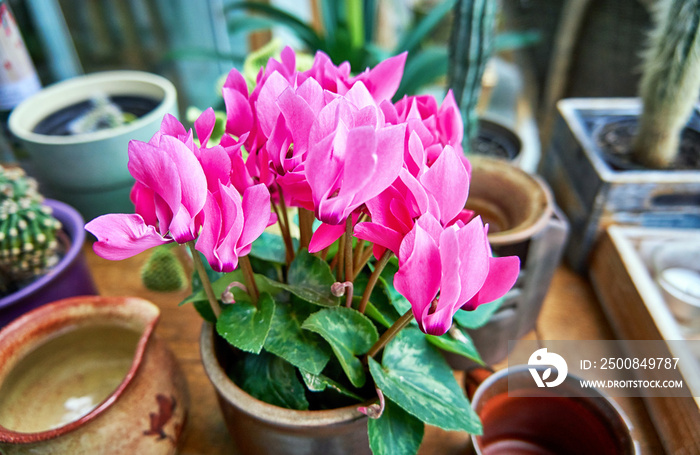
312, 335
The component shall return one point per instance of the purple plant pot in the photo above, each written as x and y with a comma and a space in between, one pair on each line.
71, 277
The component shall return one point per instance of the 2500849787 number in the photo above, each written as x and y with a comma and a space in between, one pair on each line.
626, 363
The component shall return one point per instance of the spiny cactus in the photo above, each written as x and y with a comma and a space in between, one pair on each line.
163, 272
28, 243
670, 82
471, 46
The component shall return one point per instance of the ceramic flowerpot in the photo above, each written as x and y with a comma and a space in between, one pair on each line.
595, 194
89, 170
523, 221
263, 429
87, 375
70, 277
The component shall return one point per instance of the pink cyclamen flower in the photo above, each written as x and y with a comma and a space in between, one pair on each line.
436, 126
353, 156
440, 190
232, 223
442, 270
169, 194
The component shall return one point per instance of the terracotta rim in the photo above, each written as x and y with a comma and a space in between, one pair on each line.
259, 409
59, 317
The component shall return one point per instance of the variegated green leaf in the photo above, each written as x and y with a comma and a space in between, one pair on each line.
350, 334
416, 377
396, 432
270, 379
245, 325
308, 278
319, 383
457, 341
303, 349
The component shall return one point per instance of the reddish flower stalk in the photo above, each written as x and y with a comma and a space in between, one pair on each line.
306, 221
391, 332
348, 259
373, 279
206, 284
249, 278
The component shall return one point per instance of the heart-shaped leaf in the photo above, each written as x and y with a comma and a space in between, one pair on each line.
456, 341
319, 383
302, 348
479, 316
396, 432
270, 247
379, 306
245, 325
416, 377
311, 274
400, 303
350, 334
309, 278
270, 379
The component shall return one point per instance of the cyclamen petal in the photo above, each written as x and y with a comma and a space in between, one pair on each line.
442, 270
231, 224
324, 236
503, 273
448, 182
418, 278
204, 126
121, 236
383, 80
256, 211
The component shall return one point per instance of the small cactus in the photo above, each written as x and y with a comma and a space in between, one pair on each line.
28, 242
163, 272
670, 82
471, 46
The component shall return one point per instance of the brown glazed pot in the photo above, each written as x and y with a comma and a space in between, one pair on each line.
87, 375
263, 429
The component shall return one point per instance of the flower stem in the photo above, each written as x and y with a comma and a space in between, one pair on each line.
249, 278
373, 279
366, 256
357, 254
306, 225
204, 278
348, 259
341, 258
286, 236
391, 332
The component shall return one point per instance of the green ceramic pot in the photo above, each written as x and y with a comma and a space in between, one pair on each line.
89, 170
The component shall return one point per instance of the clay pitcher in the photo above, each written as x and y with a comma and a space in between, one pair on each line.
88, 375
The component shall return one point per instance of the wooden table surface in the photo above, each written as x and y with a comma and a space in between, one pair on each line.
571, 311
